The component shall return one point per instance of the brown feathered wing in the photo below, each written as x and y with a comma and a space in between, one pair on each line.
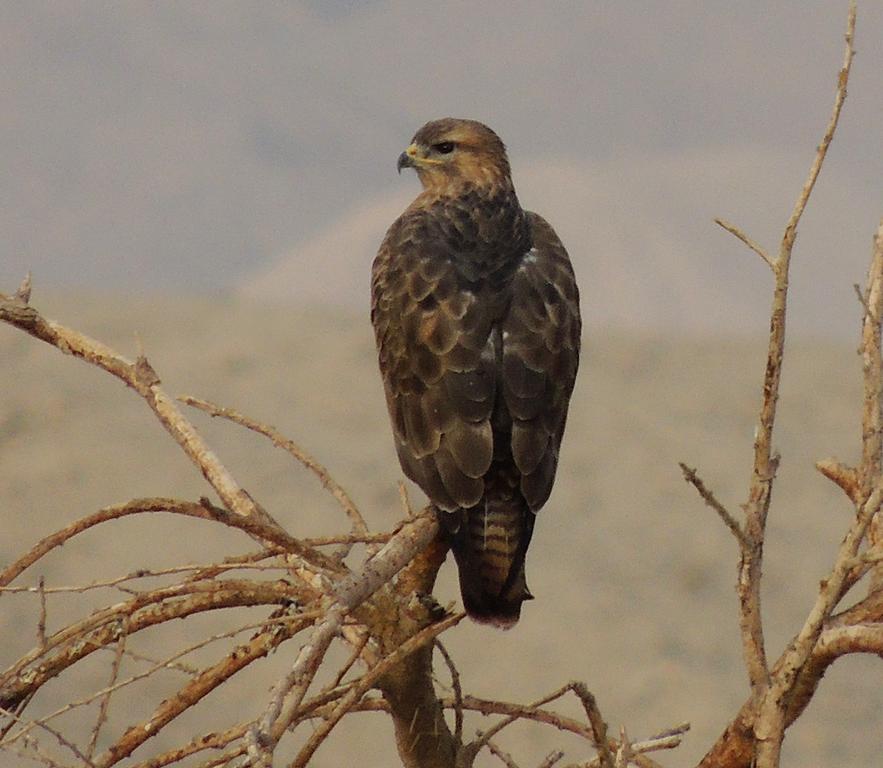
478, 372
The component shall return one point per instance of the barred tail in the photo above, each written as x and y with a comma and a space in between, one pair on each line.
489, 542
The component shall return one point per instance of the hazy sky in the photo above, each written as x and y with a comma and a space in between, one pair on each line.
190, 146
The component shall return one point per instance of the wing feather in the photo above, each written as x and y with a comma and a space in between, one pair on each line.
432, 331
541, 342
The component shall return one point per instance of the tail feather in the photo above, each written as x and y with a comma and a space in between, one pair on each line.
489, 542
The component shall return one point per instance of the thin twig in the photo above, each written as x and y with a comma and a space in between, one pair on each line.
846, 477
204, 511
359, 527
41, 622
599, 727
105, 699
457, 689
734, 230
504, 757
23, 294
353, 658
872, 410
552, 758
58, 735
711, 500
485, 736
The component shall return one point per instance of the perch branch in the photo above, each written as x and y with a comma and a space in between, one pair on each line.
350, 592
368, 680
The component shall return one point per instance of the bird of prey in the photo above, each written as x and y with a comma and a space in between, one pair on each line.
476, 316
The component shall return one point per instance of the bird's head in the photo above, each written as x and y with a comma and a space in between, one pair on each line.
451, 153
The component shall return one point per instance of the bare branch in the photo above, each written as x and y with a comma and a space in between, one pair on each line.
552, 758
458, 691
872, 411
204, 511
599, 727
41, 622
23, 294
765, 463
105, 699
734, 230
822, 150
504, 757
711, 500
104, 627
200, 686
280, 441
842, 475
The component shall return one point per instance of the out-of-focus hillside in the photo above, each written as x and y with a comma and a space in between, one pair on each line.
633, 576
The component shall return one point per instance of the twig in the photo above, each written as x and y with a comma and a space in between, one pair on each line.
297, 623
23, 294
405, 501
58, 735
353, 658
101, 628
842, 475
359, 527
213, 740
770, 725
203, 684
105, 699
204, 511
734, 230
184, 669
552, 758
504, 757
458, 691
862, 299
523, 712
711, 500
872, 410
201, 569
624, 752
667, 739
41, 622
599, 727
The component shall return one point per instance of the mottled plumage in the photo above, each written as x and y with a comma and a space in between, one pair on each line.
476, 315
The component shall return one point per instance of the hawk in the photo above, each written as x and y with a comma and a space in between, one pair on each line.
476, 316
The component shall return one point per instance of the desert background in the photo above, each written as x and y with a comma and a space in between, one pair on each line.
211, 181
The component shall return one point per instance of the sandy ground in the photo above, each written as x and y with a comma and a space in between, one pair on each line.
633, 576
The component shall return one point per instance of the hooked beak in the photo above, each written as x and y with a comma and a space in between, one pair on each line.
406, 159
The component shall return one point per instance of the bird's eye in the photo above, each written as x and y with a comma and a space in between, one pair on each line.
444, 147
